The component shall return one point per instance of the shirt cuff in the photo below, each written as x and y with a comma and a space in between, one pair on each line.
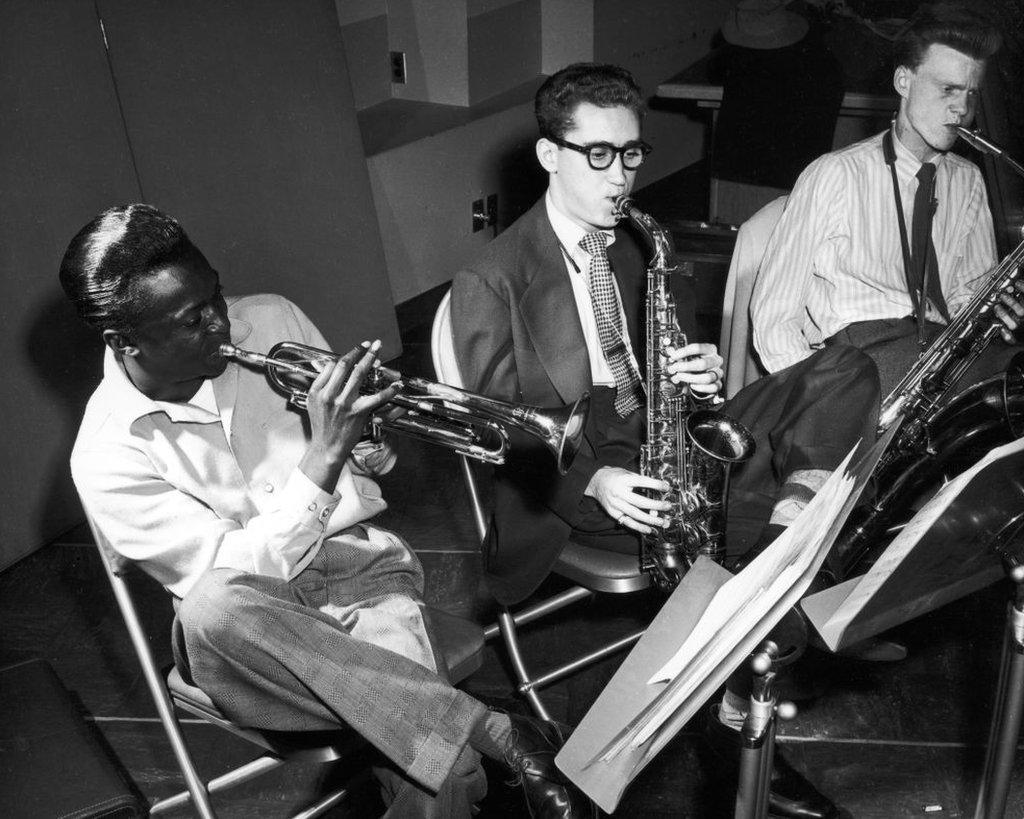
301, 493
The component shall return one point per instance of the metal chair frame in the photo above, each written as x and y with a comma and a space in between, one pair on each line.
591, 570
462, 651
172, 691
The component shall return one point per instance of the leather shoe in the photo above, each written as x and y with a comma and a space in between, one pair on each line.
530, 755
791, 795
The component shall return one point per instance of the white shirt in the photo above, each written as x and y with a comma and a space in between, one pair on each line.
836, 258
577, 265
183, 487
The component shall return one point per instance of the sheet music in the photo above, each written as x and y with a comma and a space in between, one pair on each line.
740, 605
749, 595
603, 754
905, 542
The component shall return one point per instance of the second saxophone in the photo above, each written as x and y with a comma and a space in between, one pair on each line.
691, 449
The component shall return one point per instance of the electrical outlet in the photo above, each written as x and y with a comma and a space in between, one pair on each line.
479, 215
398, 66
485, 213
492, 212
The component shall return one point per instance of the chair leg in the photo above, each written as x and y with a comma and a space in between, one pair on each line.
236, 777
323, 805
507, 626
535, 612
528, 686
245, 773
587, 659
157, 688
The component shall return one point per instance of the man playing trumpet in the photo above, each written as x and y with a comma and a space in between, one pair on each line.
295, 612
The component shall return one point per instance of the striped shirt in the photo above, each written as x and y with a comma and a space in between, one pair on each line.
836, 258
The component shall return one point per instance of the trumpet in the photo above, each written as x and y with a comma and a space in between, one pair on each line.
470, 424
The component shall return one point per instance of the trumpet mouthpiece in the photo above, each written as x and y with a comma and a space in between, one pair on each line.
238, 354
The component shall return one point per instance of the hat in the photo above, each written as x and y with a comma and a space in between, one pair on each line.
763, 24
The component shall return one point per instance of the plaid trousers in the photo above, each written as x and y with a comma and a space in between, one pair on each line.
342, 642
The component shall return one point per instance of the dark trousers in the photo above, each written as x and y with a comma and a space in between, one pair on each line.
893, 345
807, 416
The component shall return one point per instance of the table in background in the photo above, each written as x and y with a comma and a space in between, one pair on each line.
861, 114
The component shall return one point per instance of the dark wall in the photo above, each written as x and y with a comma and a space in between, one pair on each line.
63, 157
242, 121
239, 117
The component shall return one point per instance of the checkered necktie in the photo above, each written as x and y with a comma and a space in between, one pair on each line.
609, 324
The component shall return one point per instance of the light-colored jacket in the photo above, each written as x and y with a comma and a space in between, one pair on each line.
179, 490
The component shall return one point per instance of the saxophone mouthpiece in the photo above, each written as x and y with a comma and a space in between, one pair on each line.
622, 205
977, 141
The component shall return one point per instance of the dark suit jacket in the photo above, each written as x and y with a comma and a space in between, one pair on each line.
518, 338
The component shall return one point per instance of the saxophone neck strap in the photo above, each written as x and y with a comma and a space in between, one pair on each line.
913, 287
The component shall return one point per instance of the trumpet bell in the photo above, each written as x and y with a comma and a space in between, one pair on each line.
567, 427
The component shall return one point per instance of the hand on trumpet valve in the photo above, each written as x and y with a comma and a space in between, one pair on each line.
337, 407
697, 365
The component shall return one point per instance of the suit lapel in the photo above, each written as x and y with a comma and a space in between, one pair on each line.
555, 331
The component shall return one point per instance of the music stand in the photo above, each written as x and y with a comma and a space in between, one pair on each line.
757, 737
1009, 700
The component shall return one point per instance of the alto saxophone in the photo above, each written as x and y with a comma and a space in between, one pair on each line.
690, 449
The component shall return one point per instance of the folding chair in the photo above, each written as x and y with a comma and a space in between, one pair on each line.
735, 344
591, 570
460, 643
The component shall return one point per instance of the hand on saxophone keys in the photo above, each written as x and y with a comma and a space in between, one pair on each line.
697, 365
1010, 310
618, 492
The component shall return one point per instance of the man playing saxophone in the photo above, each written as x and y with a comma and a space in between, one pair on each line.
554, 307
853, 259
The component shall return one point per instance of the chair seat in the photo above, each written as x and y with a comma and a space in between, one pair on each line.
460, 641
195, 697
601, 570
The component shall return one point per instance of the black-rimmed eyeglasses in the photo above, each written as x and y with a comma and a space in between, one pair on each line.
601, 155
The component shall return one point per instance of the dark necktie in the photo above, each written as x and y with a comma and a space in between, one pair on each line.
922, 251
609, 323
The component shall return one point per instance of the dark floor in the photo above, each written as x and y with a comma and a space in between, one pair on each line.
882, 740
